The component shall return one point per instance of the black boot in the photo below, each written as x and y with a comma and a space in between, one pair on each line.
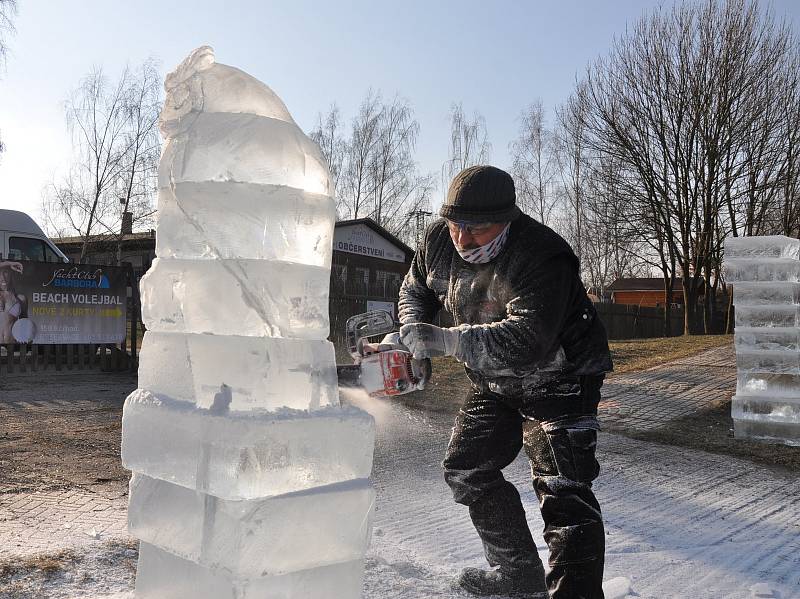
517, 584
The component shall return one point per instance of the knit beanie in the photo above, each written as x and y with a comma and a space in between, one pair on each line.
481, 194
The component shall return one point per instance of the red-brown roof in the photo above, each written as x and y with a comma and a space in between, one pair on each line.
641, 284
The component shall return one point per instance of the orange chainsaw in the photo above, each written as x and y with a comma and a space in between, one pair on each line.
381, 369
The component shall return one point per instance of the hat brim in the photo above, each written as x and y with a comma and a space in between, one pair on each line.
451, 212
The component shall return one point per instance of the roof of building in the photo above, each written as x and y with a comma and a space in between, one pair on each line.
640, 284
148, 235
380, 231
105, 238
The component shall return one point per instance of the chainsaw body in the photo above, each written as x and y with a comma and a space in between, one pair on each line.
381, 369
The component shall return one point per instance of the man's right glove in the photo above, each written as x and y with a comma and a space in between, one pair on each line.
428, 341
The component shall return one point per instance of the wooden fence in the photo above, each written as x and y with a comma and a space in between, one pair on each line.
637, 322
621, 321
31, 358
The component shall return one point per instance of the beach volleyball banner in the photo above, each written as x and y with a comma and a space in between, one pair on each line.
45, 302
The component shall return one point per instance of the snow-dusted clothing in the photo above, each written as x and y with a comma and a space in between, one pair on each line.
527, 319
536, 354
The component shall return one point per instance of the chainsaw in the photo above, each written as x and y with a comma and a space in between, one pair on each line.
382, 369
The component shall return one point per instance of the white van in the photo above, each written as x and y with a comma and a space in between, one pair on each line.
22, 239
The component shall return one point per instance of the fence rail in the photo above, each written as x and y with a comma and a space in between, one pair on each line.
34, 358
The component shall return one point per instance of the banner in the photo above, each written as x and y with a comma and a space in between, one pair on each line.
49, 303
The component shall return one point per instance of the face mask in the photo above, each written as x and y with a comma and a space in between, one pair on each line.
488, 252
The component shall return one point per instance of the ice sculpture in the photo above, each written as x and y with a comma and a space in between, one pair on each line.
249, 477
765, 273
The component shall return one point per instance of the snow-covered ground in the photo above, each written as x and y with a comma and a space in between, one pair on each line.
680, 523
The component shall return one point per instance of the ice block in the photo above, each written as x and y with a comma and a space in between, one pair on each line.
276, 535
236, 297
760, 247
768, 315
209, 220
766, 270
766, 293
161, 575
244, 455
254, 372
244, 148
771, 338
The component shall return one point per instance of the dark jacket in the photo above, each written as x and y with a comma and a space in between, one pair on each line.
531, 320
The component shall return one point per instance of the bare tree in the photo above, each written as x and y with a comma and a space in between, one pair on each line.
8, 10
398, 188
117, 147
328, 136
357, 182
534, 164
374, 169
571, 157
680, 103
469, 144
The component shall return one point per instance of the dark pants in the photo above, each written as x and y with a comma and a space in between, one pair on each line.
558, 432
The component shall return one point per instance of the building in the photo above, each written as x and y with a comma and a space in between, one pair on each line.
637, 291
136, 249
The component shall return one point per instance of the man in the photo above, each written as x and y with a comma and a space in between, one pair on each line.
536, 355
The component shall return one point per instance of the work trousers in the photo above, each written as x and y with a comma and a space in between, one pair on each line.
558, 429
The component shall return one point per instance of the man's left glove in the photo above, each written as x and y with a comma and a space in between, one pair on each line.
428, 341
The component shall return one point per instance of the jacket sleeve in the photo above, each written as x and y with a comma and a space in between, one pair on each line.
417, 303
534, 320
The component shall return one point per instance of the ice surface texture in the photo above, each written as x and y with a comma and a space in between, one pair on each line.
775, 315
313, 528
236, 297
773, 338
161, 575
759, 294
244, 148
240, 220
200, 84
245, 455
765, 272
253, 372
767, 269
765, 246
250, 479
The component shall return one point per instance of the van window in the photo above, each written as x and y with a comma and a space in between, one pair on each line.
29, 248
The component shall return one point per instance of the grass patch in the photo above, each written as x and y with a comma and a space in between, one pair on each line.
641, 354
46, 564
449, 384
711, 430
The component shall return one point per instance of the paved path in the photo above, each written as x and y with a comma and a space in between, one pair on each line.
647, 399
37, 522
49, 511
680, 523
46, 521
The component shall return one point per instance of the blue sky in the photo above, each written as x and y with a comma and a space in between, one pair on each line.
495, 57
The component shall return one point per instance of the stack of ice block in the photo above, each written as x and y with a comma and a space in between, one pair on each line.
249, 478
765, 273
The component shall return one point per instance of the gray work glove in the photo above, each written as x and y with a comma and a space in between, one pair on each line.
428, 341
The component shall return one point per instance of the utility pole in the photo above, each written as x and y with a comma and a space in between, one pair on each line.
419, 224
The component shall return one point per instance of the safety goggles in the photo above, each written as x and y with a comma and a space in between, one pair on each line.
471, 228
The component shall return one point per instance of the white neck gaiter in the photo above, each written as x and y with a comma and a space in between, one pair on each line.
488, 252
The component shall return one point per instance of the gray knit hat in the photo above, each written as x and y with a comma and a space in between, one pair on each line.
481, 194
